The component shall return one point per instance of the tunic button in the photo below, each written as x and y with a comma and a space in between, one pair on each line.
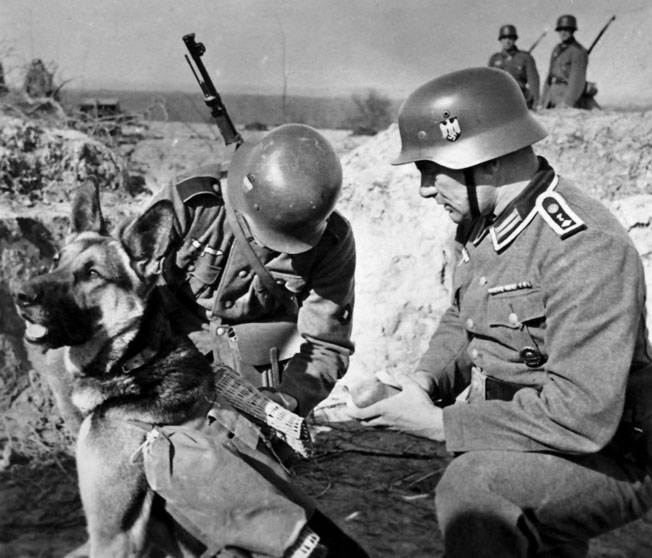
228, 303
220, 331
469, 323
513, 319
191, 267
243, 273
483, 281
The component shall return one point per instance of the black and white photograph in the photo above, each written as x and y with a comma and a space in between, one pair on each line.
325, 279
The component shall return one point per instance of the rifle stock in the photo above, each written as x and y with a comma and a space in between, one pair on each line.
211, 96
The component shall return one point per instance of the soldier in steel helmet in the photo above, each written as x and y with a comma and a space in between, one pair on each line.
518, 64
294, 339
539, 375
261, 276
566, 84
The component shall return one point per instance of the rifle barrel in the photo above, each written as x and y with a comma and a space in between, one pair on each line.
595, 41
535, 43
211, 96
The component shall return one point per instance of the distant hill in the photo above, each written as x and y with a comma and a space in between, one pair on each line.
320, 112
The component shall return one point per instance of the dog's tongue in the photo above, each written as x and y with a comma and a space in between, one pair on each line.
35, 332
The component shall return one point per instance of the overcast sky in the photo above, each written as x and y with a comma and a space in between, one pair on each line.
322, 46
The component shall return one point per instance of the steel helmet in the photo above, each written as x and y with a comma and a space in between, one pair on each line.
466, 118
566, 22
285, 185
507, 31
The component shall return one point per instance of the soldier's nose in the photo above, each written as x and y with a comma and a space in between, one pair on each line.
428, 189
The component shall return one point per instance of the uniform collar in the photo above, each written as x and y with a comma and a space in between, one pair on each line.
565, 44
521, 210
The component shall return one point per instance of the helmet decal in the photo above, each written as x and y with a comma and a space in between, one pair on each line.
450, 127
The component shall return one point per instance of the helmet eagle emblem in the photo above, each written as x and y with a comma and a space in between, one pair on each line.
450, 128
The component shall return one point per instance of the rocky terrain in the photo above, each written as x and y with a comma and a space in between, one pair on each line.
378, 485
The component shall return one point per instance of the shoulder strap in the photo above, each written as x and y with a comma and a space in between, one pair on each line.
287, 300
558, 214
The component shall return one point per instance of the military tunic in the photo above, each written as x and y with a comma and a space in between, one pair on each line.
521, 66
549, 297
214, 285
567, 75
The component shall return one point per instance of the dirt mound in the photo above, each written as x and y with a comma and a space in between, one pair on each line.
42, 165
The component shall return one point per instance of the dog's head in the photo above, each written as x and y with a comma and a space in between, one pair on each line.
98, 284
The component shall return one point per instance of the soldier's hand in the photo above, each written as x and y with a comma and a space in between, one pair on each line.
283, 399
411, 410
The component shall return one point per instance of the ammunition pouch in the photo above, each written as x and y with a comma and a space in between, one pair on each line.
257, 349
500, 389
488, 388
257, 342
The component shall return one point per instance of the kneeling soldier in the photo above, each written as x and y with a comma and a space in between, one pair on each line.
541, 367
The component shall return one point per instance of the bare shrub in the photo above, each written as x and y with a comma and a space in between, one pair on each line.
374, 110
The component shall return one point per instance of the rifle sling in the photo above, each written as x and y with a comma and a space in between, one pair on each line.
284, 297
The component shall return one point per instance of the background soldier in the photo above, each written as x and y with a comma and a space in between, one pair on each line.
38, 80
3, 86
566, 82
541, 366
517, 63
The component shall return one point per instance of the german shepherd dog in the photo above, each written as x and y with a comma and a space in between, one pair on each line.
126, 363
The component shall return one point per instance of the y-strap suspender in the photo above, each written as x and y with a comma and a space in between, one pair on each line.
287, 300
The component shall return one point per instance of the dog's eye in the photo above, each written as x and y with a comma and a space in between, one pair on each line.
93, 274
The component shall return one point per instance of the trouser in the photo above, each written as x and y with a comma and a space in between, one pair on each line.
518, 504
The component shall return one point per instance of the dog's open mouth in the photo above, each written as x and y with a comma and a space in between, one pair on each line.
35, 333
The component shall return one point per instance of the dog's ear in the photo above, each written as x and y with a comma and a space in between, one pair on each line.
86, 211
147, 239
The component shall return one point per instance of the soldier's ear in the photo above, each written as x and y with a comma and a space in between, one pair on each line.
489, 172
86, 211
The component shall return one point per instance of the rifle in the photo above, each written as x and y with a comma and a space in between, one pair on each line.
211, 96
595, 42
537, 41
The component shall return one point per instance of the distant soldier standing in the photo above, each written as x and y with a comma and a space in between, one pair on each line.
517, 63
566, 80
38, 80
3, 86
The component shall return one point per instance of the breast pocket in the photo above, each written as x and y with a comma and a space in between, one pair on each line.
518, 319
203, 274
